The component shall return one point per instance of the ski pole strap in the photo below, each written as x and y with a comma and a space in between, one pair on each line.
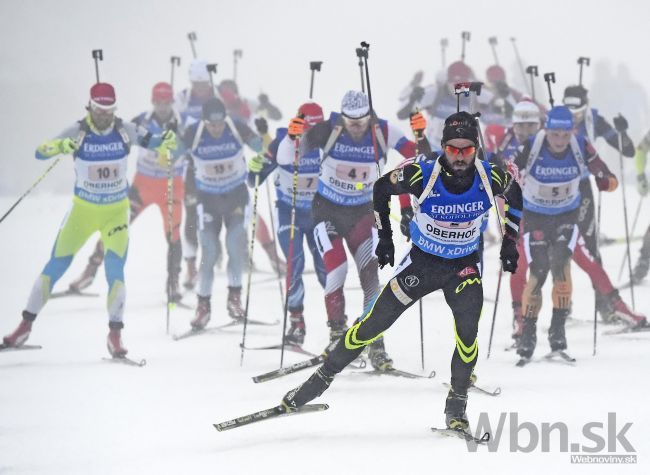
334, 135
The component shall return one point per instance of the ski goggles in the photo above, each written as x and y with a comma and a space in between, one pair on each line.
466, 152
359, 122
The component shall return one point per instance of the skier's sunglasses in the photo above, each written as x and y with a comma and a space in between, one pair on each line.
466, 152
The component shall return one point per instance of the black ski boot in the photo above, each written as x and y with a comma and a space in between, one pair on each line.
528, 339
338, 328
379, 359
556, 335
296, 333
307, 391
455, 416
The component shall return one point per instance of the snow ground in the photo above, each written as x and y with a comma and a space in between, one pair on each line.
64, 411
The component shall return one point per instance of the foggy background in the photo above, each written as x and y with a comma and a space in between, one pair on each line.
46, 67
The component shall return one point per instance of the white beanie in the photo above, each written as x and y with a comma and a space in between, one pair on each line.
355, 105
199, 71
525, 112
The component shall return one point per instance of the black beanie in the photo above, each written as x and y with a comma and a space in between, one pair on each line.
461, 125
214, 110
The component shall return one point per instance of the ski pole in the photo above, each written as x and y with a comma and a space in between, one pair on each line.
192, 37
632, 231
598, 214
236, 54
550, 78
361, 54
533, 72
292, 228
493, 44
418, 136
275, 249
494, 311
251, 248
98, 55
176, 61
465, 37
314, 66
373, 133
627, 233
40, 178
170, 234
582, 61
444, 42
519, 62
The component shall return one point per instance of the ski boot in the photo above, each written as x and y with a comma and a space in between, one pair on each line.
528, 339
556, 334
296, 333
233, 305
88, 275
202, 314
192, 274
307, 391
278, 265
114, 340
605, 307
623, 312
21, 333
517, 323
641, 269
455, 415
175, 294
379, 359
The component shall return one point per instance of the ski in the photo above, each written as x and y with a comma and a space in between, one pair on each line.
272, 413
204, 331
278, 373
398, 373
523, 361
4, 347
627, 329
484, 439
474, 387
234, 323
126, 361
72, 293
294, 348
294, 368
564, 356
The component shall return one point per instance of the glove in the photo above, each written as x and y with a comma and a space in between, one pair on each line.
502, 89
296, 127
620, 124
256, 163
606, 182
417, 78
168, 142
263, 100
261, 125
405, 223
509, 254
416, 94
67, 146
418, 123
642, 184
385, 252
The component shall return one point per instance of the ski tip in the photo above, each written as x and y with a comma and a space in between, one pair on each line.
496, 392
432, 374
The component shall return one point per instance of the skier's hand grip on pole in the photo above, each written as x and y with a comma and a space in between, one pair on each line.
296, 127
418, 123
606, 182
509, 254
385, 252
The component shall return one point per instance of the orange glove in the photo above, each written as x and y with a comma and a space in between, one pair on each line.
418, 123
296, 127
607, 183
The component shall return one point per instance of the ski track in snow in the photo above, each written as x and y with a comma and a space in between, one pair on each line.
64, 411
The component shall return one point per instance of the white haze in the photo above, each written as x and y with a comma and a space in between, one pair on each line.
46, 67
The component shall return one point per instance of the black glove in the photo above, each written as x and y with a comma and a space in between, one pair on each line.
385, 252
509, 254
263, 100
404, 224
620, 124
502, 89
416, 94
261, 125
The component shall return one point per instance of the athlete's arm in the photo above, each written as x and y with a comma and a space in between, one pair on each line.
504, 185
603, 129
397, 182
316, 137
60, 144
249, 137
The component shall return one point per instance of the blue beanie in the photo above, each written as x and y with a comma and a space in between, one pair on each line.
560, 118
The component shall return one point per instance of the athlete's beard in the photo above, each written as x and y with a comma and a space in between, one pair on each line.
458, 172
